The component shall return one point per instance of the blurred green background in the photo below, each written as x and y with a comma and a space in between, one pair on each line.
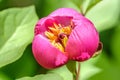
106, 17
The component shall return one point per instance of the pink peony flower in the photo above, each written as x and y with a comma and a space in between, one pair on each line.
64, 35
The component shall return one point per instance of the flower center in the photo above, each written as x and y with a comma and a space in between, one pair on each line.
58, 35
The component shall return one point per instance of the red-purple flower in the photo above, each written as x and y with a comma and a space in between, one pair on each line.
64, 35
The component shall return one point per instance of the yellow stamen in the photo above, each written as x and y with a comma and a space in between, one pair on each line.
54, 31
53, 42
59, 46
50, 35
64, 41
56, 26
66, 30
54, 35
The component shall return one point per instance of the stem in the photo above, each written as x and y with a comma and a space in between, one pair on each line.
78, 72
74, 76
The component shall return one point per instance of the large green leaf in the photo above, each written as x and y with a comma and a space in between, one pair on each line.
43, 77
19, 69
16, 32
105, 14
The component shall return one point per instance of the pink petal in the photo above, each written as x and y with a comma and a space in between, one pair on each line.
40, 28
63, 20
66, 12
47, 55
43, 24
83, 41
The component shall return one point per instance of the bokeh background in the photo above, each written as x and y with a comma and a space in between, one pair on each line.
106, 17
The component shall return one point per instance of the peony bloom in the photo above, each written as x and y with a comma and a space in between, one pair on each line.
64, 35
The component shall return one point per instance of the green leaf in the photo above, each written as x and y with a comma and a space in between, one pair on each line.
91, 4
3, 76
16, 32
71, 65
105, 14
112, 73
109, 69
78, 3
115, 44
88, 68
19, 69
50, 76
63, 72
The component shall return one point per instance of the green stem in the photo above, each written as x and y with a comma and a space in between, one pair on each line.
75, 72
78, 72
74, 76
